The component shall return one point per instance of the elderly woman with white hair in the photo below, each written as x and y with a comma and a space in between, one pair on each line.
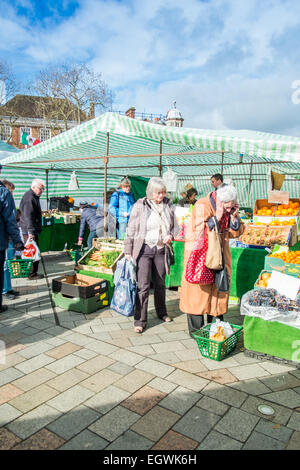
199, 294
31, 219
151, 227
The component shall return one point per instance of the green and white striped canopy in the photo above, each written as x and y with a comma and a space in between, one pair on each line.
134, 147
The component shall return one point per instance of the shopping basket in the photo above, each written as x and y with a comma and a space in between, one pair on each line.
216, 350
19, 267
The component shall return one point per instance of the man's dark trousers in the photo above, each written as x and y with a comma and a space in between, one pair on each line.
2, 260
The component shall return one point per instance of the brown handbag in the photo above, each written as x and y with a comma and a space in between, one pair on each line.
214, 259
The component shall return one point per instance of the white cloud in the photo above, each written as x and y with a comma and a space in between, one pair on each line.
221, 60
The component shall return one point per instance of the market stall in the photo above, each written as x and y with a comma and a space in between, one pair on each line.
271, 309
112, 145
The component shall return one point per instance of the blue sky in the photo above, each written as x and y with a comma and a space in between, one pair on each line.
227, 63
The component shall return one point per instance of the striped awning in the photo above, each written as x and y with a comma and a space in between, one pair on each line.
134, 148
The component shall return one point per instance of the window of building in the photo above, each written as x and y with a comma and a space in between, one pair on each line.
5, 132
45, 133
27, 131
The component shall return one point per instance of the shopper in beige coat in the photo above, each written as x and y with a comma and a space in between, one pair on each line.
195, 299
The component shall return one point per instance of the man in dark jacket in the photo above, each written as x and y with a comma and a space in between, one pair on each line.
31, 219
8, 228
94, 218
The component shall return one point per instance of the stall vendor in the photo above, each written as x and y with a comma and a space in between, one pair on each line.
94, 218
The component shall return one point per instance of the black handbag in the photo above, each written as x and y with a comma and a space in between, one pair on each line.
169, 253
222, 281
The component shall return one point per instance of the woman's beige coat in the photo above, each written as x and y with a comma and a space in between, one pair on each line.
198, 299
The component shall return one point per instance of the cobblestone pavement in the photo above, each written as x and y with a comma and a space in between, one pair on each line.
75, 381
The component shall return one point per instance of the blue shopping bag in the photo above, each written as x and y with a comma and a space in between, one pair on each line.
123, 300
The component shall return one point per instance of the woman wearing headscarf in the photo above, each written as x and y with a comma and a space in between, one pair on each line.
151, 227
204, 298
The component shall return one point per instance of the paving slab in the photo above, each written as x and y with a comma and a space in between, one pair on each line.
237, 424
85, 440
258, 441
154, 424
130, 441
218, 441
114, 423
31, 422
73, 422
196, 423
273, 430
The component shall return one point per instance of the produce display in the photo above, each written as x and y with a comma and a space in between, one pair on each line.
292, 257
292, 208
265, 236
263, 280
278, 223
280, 210
271, 298
101, 258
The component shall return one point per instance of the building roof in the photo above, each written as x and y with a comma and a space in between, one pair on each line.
28, 106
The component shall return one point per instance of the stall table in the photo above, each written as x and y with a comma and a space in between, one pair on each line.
54, 237
247, 263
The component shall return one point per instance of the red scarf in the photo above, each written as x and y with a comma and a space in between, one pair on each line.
224, 222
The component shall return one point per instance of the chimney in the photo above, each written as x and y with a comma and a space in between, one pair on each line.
130, 112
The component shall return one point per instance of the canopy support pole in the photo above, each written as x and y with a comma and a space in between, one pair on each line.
222, 164
105, 183
47, 190
250, 177
160, 158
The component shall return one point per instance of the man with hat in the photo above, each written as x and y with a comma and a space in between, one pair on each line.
93, 217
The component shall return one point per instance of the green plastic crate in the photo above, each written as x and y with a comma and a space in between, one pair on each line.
47, 221
77, 304
216, 350
19, 267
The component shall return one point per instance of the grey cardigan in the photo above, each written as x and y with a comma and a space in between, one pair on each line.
136, 229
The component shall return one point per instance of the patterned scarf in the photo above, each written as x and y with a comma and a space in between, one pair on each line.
224, 222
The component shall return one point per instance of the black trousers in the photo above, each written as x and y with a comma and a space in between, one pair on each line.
2, 260
35, 265
151, 261
195, 322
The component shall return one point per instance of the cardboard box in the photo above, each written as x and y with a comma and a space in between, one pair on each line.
256, 235
277, 264
79, 285
268, 220
260, 203
256, 286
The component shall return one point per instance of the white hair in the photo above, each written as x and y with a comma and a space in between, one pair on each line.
155, 184
227, 193
37, 182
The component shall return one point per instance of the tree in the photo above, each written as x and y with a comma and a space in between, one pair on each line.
75, 91
8, 87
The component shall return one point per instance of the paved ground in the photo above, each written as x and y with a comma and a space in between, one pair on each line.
74, 381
